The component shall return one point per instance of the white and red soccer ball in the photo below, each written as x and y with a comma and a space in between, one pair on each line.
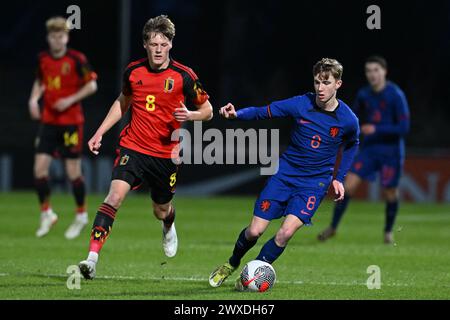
257, 276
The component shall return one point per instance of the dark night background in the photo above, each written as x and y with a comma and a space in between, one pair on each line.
245, 52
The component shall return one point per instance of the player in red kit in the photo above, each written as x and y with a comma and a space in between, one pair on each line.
155, 89
64, 78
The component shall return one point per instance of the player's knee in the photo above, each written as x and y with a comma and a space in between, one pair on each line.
40, 171
253, 232
38, 174
114, 199
390, 194
351, 183
349, 192
73, 174
350, 189
284, 235
73, 169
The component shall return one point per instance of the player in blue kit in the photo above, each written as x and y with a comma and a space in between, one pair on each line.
383, 111
322, 125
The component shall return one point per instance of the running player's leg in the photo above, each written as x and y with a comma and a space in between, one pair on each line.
161, 175
71, 151
73, 172
390, 178
363, 168
48, 218
246, 240
102, 225
265, 210
165, 212
351, 184
46, 145
42, 163
273, 248
299, 211
391, 197
125, 176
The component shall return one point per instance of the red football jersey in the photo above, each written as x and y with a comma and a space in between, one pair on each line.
63, 77
155, 94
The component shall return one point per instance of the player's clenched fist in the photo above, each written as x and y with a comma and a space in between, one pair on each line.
95, 144
228, 111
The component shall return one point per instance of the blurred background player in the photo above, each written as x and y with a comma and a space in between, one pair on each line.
155, 88
383, 111
64, 78
322, 124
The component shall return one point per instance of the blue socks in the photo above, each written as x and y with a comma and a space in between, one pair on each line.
240, 248
270, 251
339, 210
391, 213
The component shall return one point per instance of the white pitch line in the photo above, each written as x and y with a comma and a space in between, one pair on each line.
197, 279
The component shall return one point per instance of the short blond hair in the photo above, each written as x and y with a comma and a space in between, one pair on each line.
56, 24
160, 24
329, 66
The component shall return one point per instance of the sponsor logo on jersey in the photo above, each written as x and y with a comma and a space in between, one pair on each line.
303, 121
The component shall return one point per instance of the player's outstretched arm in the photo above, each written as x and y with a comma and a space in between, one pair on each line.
36, 93
84, 92
203, 112
250, 113
276, 109
117, 110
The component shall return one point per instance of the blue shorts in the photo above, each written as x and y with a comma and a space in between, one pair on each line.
369, 162
280, 198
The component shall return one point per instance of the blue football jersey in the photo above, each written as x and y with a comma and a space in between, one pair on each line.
316, 137
388, 110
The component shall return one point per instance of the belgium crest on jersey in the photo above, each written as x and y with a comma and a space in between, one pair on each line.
168, 84
65, 68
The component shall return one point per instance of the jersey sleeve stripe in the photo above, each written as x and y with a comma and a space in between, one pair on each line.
186, 69
132, 64
80, 60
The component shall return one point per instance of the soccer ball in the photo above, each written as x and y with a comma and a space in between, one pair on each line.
256, 276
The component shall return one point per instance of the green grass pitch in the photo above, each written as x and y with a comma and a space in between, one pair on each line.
132, 264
